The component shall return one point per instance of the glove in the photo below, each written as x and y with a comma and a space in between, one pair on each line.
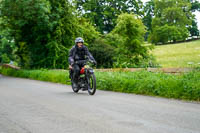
70, 67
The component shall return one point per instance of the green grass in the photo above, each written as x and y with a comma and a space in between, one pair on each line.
56, 76
178, 55
184, 86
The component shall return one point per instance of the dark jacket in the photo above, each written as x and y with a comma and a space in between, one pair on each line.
76, 54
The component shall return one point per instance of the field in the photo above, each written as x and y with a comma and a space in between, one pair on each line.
178, 55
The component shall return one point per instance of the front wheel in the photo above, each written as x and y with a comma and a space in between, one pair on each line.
91, 84
74, 89
72, 82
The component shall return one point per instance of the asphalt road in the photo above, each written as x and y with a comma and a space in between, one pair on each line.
28, 106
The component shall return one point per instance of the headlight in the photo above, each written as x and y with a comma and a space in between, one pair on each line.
86, 66
91, 71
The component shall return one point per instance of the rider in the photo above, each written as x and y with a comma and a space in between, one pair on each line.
77, 53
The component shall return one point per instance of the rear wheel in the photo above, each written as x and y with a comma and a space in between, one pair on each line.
91, 84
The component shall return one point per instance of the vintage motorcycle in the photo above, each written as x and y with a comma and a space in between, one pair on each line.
87, 79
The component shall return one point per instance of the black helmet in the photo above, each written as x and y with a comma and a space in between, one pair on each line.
79, 39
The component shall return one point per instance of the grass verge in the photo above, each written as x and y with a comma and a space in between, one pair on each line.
185, 86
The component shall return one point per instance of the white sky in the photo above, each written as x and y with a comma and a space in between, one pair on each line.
196, 13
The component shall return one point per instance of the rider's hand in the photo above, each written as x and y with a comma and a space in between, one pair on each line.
70, 67
95, 63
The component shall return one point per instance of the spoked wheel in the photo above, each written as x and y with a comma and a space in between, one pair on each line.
91, 84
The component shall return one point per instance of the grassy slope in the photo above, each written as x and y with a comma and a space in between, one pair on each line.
178, 55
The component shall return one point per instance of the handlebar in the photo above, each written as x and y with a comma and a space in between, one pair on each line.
85, 62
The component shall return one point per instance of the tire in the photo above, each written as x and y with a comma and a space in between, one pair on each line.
74, 89
91, 84
70, 76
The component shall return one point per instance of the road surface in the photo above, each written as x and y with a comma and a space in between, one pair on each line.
28, 106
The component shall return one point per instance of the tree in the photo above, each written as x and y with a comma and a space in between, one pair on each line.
131, 29
148, 14
166, 33
195, 5
7, 47
193, 29
43, 30
103, 13
171, 15
87, 31
28, 21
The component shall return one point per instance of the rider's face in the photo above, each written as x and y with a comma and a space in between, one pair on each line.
80, 44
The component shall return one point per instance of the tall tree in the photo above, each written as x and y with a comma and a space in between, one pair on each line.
194, 28
7, 46
172, 16
28, 21
132, 30
103, 13
195, 5
148, 14
43, 30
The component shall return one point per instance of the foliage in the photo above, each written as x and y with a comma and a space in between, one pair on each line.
87, 31
171, 16
195, 5
148, 14
131, 31
44, 30
39, 33
103, 53
193, 29
22, 17
7, 47
103, 13
166, 33
184, 86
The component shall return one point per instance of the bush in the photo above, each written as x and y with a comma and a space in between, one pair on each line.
163, 34
129, 36
103, 53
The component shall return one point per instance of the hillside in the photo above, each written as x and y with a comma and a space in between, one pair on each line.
178, 55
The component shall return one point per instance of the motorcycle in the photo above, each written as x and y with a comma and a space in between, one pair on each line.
86, 79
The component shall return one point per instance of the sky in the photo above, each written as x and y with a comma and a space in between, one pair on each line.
197, 14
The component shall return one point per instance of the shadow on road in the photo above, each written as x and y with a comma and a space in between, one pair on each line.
81, 93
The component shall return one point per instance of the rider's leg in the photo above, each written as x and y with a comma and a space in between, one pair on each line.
76, 72
70, 74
